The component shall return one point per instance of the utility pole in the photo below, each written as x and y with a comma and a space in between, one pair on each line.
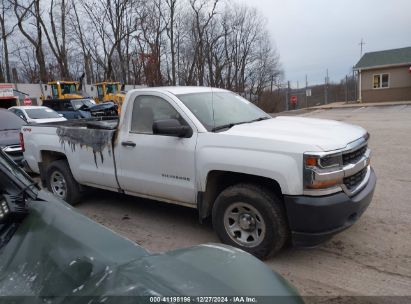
326, 89
361, 44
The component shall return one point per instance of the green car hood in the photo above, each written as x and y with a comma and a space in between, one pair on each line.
58, 253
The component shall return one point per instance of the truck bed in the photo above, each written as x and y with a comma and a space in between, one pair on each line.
106, 123
95, 133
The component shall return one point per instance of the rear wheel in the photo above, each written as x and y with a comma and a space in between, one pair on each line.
61, 182
251, 218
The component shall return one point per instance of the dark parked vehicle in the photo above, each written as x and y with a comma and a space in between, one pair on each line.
81, 108
10, 126
51, 252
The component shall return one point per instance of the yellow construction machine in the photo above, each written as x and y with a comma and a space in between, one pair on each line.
65, 90
110, 91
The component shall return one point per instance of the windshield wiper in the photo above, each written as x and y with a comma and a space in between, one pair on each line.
260, 119
230, 125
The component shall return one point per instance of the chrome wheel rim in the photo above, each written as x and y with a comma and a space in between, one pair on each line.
244, 224
58, 184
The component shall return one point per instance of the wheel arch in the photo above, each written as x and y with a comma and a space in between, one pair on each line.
218, 180
47, 157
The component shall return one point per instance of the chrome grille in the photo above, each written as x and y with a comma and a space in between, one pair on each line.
354, 180
354, 156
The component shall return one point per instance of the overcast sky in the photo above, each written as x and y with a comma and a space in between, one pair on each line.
313, 35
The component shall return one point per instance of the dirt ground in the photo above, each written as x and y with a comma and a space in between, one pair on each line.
372, 258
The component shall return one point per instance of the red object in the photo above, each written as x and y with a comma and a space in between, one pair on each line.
6, 86
409, 70
22, 142
27, 101
293, 99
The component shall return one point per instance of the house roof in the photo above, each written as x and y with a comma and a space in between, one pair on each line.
384, 58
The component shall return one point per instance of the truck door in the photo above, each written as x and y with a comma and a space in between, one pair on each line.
151, 164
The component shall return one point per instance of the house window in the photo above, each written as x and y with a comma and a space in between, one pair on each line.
380, 81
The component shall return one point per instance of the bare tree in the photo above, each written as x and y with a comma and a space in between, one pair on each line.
109, 30
200, 23
26, 11
57, 39
152, 42
78, 34
6, 7
171, 24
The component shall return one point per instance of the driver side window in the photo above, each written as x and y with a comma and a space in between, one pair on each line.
147, 110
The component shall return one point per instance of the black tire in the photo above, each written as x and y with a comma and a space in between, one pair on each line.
61, 168
261, 203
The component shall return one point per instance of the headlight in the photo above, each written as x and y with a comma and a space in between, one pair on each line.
323, 173
324, 162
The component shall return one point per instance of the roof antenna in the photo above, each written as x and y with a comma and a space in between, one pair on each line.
361, 45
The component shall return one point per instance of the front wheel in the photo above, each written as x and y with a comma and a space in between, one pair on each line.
61, 182
251, 218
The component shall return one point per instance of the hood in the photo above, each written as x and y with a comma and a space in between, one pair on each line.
59, 252
325, 134
9, 137
103, 106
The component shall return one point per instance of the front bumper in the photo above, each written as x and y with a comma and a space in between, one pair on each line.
313, 220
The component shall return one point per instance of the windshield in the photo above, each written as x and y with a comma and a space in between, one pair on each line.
217, 109
41, 113
68, 88
10, 121
111, 88
78, 103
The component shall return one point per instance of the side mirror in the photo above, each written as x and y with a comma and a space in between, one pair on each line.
171, 127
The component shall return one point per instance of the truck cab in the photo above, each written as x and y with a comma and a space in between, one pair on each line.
65, 89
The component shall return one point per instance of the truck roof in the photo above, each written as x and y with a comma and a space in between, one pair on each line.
106, 82
28, 107
177, 90
63, 82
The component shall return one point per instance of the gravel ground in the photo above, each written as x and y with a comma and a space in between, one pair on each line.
372, 258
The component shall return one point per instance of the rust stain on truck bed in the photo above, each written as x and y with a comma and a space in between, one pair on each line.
96, 139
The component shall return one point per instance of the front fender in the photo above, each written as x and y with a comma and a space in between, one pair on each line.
281, 167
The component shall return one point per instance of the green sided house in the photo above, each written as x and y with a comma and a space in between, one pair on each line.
385, 75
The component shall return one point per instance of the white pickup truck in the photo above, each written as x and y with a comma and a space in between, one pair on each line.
263, 180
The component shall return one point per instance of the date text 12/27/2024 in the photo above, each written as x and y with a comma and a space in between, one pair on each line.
203, 299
